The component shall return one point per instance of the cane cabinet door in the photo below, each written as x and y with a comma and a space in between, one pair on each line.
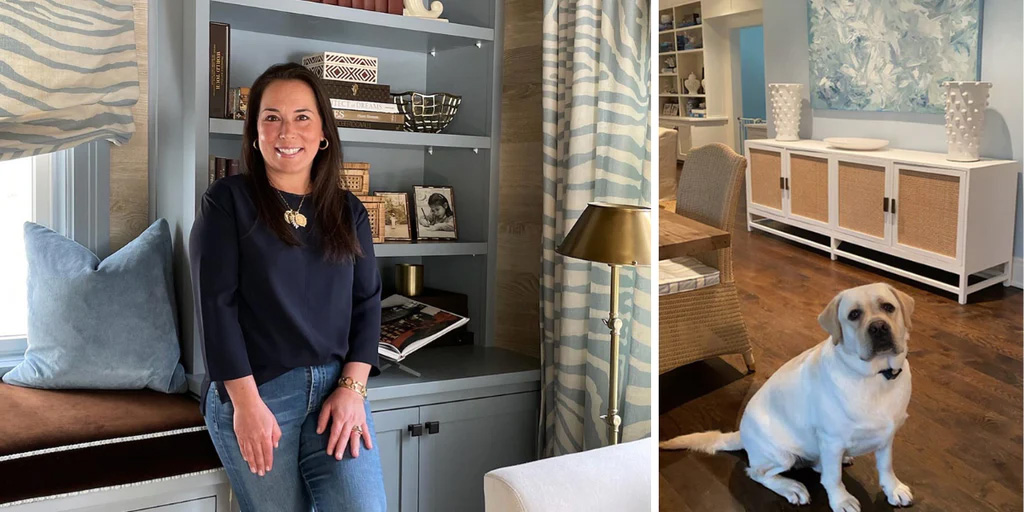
862, 199
926, 209
764, 179
808, 188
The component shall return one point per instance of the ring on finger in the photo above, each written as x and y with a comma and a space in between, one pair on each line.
357, 429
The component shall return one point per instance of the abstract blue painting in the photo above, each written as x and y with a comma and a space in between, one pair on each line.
890, 55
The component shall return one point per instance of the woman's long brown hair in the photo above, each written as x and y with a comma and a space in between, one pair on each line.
333, 220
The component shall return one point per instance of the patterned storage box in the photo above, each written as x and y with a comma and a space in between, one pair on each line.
380, 93
376, 208
342, 66
355, 177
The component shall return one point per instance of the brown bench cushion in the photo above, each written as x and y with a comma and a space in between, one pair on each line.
56, 442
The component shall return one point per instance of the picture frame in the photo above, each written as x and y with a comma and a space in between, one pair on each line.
435, 213
375, 211
397, 216
670, 109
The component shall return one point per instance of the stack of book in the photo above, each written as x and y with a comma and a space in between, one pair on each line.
221, 167
367, 114
388, 6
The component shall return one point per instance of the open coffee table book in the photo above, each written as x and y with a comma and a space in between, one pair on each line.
407, 325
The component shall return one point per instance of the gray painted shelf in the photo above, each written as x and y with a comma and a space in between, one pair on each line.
411, 249
462, 57
355, 136
345, 25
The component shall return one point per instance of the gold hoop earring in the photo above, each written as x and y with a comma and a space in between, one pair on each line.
327, 144
254, 146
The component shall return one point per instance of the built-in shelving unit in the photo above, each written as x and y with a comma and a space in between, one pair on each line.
681, 52
462, 56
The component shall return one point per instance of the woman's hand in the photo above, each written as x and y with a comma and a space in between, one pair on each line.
258, 434
345, 409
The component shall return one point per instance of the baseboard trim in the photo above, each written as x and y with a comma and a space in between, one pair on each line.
1017, 273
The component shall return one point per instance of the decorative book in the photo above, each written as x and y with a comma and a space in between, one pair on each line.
377, 93
373, 117
220, 58
342, 66
408, 325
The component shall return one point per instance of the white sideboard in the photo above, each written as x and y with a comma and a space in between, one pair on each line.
957, 217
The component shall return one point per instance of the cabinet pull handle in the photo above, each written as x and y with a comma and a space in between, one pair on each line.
416, 430
433, 427
787, 183
782, 183
885, 204
894, 206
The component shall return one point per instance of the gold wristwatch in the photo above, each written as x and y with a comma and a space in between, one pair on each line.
354, 385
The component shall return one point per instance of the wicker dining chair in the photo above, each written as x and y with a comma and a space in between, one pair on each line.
700, 318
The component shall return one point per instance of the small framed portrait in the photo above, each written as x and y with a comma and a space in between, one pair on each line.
396, 216
670, 109
435, 213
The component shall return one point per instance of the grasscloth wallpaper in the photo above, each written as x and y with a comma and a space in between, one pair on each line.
129, 181
521, 186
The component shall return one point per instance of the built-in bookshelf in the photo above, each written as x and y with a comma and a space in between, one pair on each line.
681, 53
462, 56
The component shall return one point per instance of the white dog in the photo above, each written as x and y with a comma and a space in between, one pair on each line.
845, 397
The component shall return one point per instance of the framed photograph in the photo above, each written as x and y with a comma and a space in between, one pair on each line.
396, 216
435, 213
670, 109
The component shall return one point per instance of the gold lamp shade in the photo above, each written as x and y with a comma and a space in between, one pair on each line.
616, 234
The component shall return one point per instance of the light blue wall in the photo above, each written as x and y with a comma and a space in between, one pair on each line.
786, 60
752, 70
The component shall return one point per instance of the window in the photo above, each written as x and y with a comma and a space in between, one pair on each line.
25, 195
68, 192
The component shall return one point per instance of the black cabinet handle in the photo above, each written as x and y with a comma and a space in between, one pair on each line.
782, 183
787, 183
885, 204
894, 206
433, 427
416, 430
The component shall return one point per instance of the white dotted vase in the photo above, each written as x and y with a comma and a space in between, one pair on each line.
965, 116
786, 99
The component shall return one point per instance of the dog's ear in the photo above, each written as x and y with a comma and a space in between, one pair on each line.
829, 319
906, 305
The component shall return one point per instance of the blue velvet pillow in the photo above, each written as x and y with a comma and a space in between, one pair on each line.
100, 325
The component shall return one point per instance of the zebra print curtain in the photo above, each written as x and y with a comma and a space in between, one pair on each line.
596, 88
68, 74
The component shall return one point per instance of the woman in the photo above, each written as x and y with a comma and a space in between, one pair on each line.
287, 293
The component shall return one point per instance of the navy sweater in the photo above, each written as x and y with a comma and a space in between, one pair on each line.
264, 307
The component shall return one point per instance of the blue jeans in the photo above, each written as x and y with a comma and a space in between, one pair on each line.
304, 476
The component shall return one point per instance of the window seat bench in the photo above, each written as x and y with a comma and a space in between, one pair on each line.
86, 449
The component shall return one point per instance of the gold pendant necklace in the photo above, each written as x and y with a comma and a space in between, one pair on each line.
293, 217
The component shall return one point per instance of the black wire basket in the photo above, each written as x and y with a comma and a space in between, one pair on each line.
428, 113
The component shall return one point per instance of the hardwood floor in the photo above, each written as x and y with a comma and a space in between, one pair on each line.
961, 448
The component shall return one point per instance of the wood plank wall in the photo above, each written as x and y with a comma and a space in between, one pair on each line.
521, 184
129, 164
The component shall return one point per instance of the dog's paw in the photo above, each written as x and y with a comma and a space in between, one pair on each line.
899, 495
844, 503
794, 492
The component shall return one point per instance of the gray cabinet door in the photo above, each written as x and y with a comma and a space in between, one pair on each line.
399, 456
474, 437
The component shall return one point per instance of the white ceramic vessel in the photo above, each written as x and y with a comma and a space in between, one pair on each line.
786, 99
965, 117
856, 143
692, 84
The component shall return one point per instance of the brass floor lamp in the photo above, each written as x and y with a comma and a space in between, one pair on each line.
619, 235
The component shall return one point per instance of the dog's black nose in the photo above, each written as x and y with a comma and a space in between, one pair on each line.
878, 327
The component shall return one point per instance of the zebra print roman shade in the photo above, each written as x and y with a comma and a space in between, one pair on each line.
68, 74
